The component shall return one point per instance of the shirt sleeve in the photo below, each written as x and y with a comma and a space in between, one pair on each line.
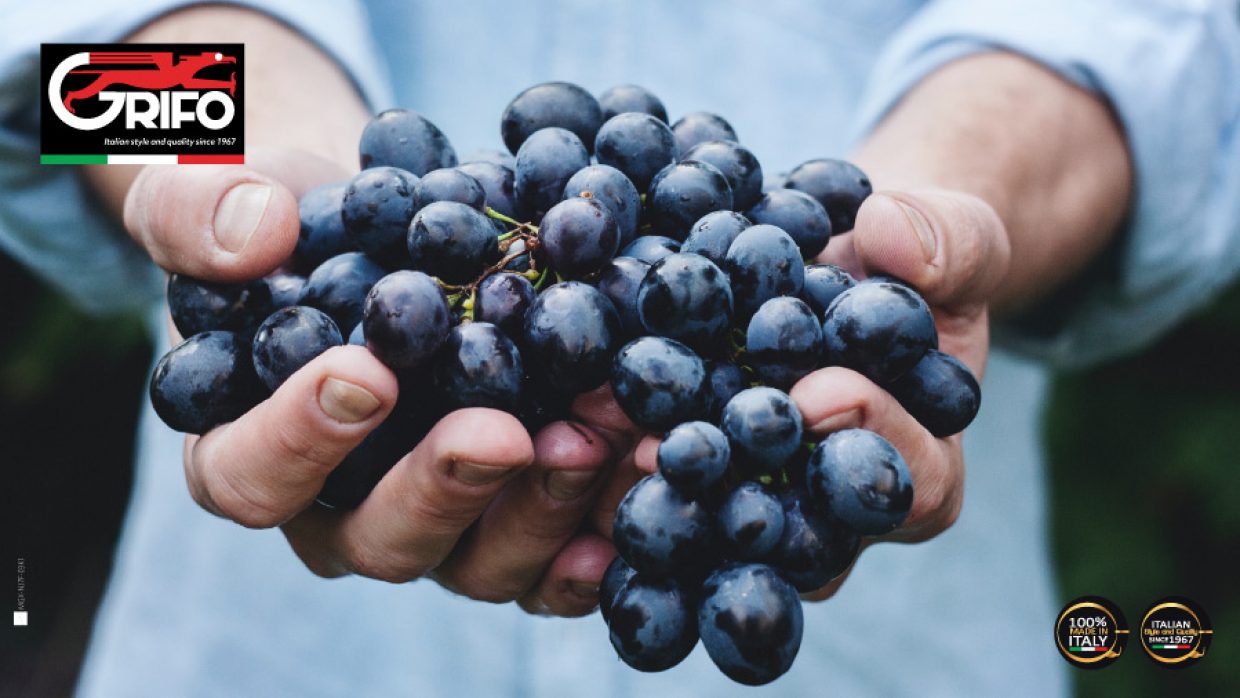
1170, 70
49, 219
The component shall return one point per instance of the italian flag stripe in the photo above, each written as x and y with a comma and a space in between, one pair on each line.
141, 159
1087, 649
1171, 647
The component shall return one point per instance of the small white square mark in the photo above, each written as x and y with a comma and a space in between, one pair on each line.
20, 618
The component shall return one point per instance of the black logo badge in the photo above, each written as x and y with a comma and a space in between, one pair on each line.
1091, 632
142, 103
1176, 632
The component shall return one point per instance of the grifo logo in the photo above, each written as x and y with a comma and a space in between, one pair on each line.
142, 103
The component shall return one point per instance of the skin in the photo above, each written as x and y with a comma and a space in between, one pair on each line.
997, 182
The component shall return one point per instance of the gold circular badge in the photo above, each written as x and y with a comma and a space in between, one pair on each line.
1091, 632
1175, 632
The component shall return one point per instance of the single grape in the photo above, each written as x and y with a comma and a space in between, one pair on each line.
406, 320
478, 366
617, 575
838, 185
681, 193
750, 621
285, 289
653, 624
619, 281
639, 145
497, 182
763, 426
650, 248
503, 299
578, 236
687, 298
405, 139
813, 549
762, 263
205, 381
878, 329
723, 381
693, 457
339, 286
659, 532
714, 233
799, 215
627, 98
545, 163
571, 333
699, 127
201, 306
449, 184
860, 479
290, 339
750, 523
321, 234
783, 343
659, 383
738, 164
349, 483
378, 205
550, 104
940, 392
823, 282
609, 187
453, 241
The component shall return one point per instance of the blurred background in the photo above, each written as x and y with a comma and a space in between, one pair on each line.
1144, 481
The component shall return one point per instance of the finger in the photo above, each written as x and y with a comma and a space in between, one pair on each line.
268, 465
623, 476
222, 222
836, 398
531, 519
416, 514
570, 586
599, 409
646, 455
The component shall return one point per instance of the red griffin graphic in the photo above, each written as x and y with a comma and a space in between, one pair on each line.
163, 76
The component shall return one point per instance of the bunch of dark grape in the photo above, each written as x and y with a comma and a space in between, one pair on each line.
608, 247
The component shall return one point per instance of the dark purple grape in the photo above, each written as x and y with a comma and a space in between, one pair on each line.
699, 127
838, 185
653, 624
762, 263
681, 193
797, 214
290, 339
687, 298
578, 236
405, 139
723, 381
637, 144
619, 281
541, 403
571, 334
750, 523
860, 479
503, 299
714, 233
321, 234
783, 343
626, 98
763, 426
449, 184
205, 381
497, 182
353, 479
738, 164
478, 366
750, 621
517, 255
378, 205
406, 320
545, 163
550, 104
659, 383
612, 189
201, 306
285, 289
940, 392
813, 549
880, 330
693, 457
339, 286
650, 248
823, 283
452, 241
617, 575
659, 532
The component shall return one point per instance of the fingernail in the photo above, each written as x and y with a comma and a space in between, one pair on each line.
835, 422
478, 474
238, 215
346, 402
929, 244
566, 485
584, 589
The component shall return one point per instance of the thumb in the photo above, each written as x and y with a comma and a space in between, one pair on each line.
949, 245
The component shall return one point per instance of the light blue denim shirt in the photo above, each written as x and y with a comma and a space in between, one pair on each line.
199, 606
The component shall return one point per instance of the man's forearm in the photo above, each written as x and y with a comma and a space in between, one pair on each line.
296, 96
1049, 157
